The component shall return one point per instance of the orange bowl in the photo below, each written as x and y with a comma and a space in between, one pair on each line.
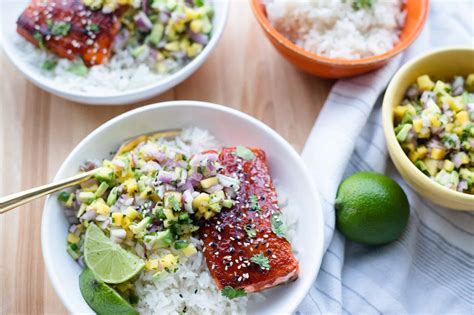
416, 13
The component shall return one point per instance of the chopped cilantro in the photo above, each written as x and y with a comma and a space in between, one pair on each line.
251, 232
180, 244
174, 203
60, 28
64, 196
94, 28
49, 65
199, 3
254, 203
244, 153
78, 68
278, 227
260, 260
49, 23
231, 293
39, 38
362, 4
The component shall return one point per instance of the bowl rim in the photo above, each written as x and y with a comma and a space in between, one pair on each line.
272, 32
387, 123
319, 249
117, 96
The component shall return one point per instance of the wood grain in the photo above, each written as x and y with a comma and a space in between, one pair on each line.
38, 130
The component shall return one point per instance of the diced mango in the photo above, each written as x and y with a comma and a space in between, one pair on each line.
209, 182
126, 222
400, 111
73, 238
170, 214
417, 125
438, 154
101, 207
435, 122
201, 202
130, 186
169, 262
117, 219
449, 127
189, 250
151, 264
461, 118
470, 85
131, 213
425, 83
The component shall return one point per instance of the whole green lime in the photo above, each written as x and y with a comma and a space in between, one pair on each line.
371, 208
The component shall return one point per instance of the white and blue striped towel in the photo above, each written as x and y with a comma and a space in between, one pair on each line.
430, 269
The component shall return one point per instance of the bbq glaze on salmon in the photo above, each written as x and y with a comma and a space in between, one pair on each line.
241, 248
69, 29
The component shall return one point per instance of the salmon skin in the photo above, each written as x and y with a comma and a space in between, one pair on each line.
69, 29
239, 242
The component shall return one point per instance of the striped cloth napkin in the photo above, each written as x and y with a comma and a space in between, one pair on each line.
430, 269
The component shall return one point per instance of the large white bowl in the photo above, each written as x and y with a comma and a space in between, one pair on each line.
231, 128
10, 10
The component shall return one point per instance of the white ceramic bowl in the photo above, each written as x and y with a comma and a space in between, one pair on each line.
10, 10
231, 128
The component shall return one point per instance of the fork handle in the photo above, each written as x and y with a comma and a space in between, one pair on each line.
12, 201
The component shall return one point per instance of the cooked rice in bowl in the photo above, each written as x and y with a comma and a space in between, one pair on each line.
348, 29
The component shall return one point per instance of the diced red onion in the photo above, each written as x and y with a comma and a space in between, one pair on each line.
188, 201
164, 17
457, 159
120, 40
160, 191
72, 228
142, 22
228, 181
166, 177
105, 224
462, 185
89, 215
118, 163
213, 189
196, 160
230, 193
80, 261
139, 250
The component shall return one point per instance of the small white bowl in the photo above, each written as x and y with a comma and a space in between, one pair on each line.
231, 127
11, 10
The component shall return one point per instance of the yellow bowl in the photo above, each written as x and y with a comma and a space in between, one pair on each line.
442, 63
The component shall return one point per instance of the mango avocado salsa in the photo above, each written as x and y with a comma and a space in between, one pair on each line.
435, 127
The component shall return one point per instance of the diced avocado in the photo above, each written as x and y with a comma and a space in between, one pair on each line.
140, 226
421, 166
113, 195
105, 174
228, 203
469, 84
403, 133
171, 4
184, 217
163, 239
467, 175
181, 229
102, 189
72, 253
138, 50
86, 196
156, 33
441, 87
173, 200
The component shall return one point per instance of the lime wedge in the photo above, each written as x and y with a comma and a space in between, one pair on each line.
108, 261
102, 298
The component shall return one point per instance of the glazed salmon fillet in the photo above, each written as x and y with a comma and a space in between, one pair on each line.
70, 30
240, 245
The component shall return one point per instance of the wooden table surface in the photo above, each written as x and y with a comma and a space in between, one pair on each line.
38, 130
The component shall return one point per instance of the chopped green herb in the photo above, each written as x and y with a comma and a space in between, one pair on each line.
260, 260
199, 3
49, 23
251, 232
78, 68
64, 196
278, 227
74, 247
244, 153
94, 28
174, 203
60, 28
362, 4
49, 65
231, 293
180, 244
39, 38
254, 203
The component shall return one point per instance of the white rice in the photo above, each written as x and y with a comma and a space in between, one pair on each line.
332, 28
192, 286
